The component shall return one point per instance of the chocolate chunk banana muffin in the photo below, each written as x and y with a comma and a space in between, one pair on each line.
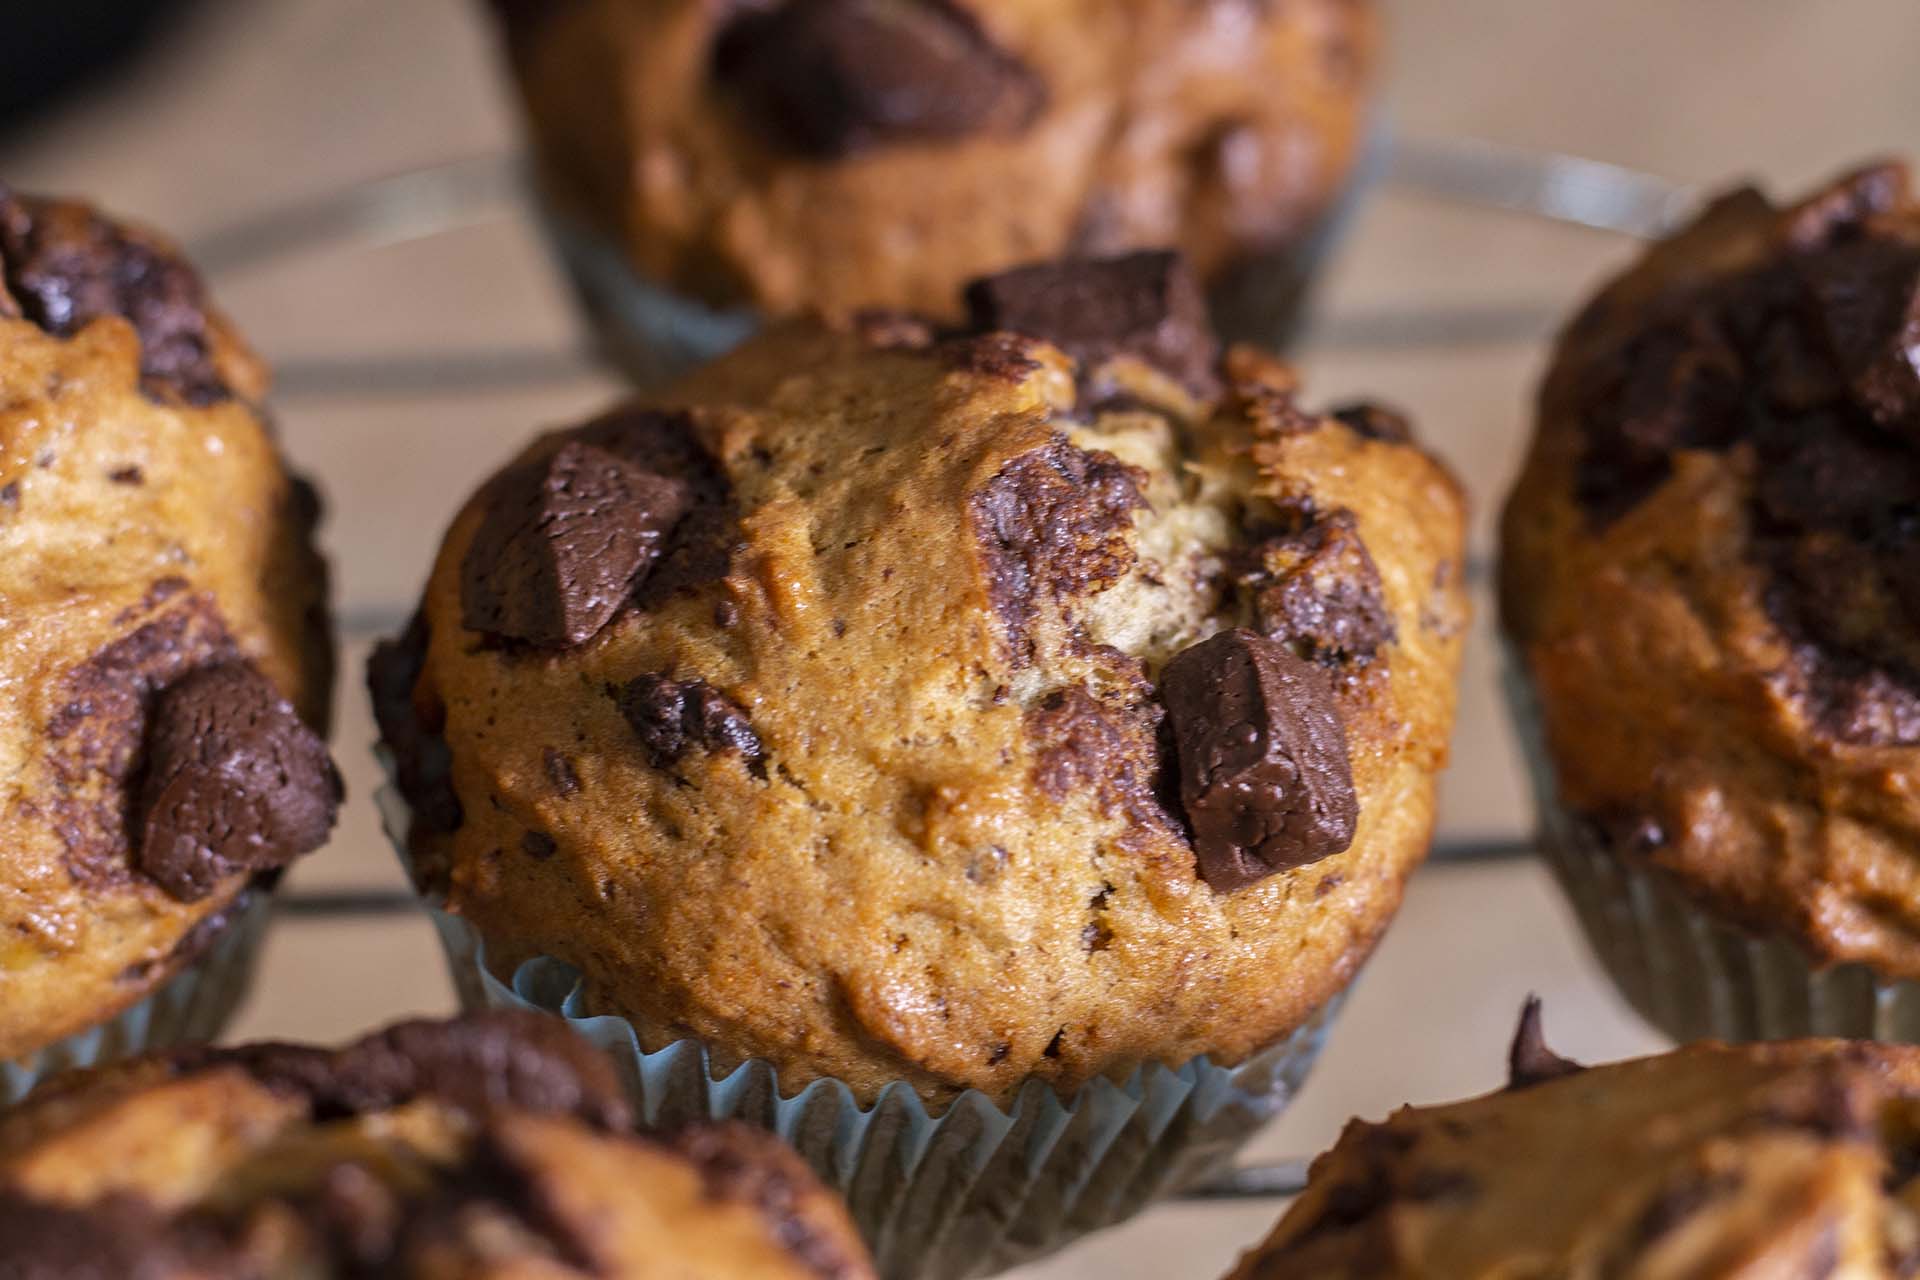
778, 155
1709, 582
164, 647
1787, 1159
491, 1147
904, 705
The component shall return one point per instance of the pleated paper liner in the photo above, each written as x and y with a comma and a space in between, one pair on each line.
191, 1008
971, 1191
1690, 973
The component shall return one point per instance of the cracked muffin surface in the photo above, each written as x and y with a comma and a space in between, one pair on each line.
493, 1146
1709, 565
976, 716
164, 643
1795, 1158
847, 153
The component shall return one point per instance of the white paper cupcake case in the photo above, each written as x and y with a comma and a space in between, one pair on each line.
191, 1008
1688, 972
970, 1192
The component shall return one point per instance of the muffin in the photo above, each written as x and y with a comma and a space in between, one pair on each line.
706, 165
989, 713
1786, 1159
165, 654
491, 1147
1709, 586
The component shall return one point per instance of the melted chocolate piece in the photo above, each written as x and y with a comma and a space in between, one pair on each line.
1108, 746
1375, 422
565, 541
1529, 1061
1145, 305
484, 1060
1264, 774
411, 730
672, 717
831, 78
1314, 586
62, 266
235, 781
1053, 523
1809, 359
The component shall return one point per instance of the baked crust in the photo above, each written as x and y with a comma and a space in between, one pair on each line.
1702, 565
490, 1147
1223, 128
1791, 1158
880, 793
148, 528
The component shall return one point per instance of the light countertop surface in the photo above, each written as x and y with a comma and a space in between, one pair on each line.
409, 369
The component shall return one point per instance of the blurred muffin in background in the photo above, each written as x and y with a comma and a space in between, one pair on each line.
165, 651
1790, 1159
756, 159
494, 1146
1711, 582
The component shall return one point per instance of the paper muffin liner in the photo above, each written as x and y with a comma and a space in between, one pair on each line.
191, 1007
653, 334
971, 1191
1692, 974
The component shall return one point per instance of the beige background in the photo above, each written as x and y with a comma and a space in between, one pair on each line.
1441, 308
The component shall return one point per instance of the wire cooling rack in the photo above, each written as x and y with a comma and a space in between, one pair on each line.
430, 201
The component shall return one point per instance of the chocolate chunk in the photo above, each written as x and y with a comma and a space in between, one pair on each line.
1867, 300
1376, 422
1315, 586
1529, 1061
410, 724
484, 1060
565, 541
1264, 775
538, 845
831, 78
1053, 524
1108, 746
672, 717
64, 266
235, 781
96, 734
560, 772
1145, 305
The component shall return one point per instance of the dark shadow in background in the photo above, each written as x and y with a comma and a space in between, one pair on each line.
51, 49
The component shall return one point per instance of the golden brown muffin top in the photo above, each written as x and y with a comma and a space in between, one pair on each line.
897, 704
491, 1146
844, 153
163, 633
1710, 564
1709, 1163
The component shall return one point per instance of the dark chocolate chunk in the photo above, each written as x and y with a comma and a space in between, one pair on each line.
538, 845
64, 266
673, 717
1054, 524
1529, 1061
1264, 774
1376, 422
234, 781
410, 729
1867, 302
560, 772
1315, 586
830, 78
565, 541
1145, 305
484, 1060
1110, 747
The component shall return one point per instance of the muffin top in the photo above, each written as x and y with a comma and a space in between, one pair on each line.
846, 153
493, 1146
163, 634
948, 707
1785, 1159
1710, 564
